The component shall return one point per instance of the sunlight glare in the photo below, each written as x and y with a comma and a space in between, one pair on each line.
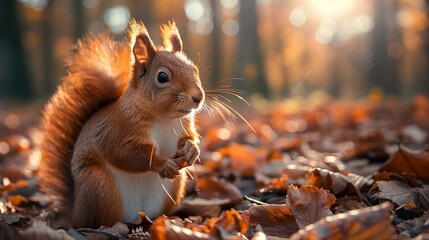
331, 6
363, 23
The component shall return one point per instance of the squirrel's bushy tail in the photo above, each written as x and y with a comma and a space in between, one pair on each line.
99, 72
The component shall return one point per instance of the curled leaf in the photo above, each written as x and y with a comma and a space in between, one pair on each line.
406, 161
365, 223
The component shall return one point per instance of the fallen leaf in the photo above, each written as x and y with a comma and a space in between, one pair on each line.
243, 158
405, 161
309, 204
201, 207
366, 223
400, 193
219, 191
17, 200
332, 181
14, 186
275, 219
163, 229
413, 227
404, 177
348, 204
231, 221
10, 218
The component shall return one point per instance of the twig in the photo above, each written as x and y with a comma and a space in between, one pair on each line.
254, 200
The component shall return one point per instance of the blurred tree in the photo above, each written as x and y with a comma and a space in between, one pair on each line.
47, 43
79, 20
214, 69
14, 75
384, 71
249, 61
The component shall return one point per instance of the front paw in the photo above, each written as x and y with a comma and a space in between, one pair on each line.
168, 169
187, 155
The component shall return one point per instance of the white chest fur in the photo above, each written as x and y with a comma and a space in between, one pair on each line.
165, 136
145, 191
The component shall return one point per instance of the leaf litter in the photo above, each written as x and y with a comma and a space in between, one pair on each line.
334, 170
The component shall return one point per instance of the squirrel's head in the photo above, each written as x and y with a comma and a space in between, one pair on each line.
164, 75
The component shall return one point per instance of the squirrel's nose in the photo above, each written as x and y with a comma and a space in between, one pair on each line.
197, 98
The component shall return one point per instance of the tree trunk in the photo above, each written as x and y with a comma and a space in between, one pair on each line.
249, 61
15, 79
384, 70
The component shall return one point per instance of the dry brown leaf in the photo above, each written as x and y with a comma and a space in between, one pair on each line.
408, 178
231, 222
218, 190
17, 200
14, 186
202, 207
348, 204
413, 227
163, 229
366, 223
275, 219
294, 171
332, 181
405, 161
401, 193
243, 158
396, 191
309, 204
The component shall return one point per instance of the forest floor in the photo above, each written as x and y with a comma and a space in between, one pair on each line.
329, 170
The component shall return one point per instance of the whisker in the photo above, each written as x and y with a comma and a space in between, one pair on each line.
183, 127
240, 116
220, 81
165, 190
208, 58
151, 155
215, 107
189, 173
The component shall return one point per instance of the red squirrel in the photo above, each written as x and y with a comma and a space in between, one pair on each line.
120, 128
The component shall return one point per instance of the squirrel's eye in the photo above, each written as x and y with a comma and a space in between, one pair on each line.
162, 77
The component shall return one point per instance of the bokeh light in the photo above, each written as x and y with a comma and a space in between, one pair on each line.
298, 16
194, 10
230, 27
116, 18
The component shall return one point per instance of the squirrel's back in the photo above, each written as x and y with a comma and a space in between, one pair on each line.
98, 73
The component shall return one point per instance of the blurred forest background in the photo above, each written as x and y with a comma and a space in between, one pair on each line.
342, 48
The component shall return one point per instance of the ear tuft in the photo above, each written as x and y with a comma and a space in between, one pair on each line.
170, 35
140, 42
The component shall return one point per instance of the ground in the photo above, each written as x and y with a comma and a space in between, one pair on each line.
297, 170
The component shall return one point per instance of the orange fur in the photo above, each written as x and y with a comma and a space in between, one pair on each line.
106, 115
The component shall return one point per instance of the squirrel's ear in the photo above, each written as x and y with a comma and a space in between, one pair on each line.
170, 35
143, 49
141, 44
